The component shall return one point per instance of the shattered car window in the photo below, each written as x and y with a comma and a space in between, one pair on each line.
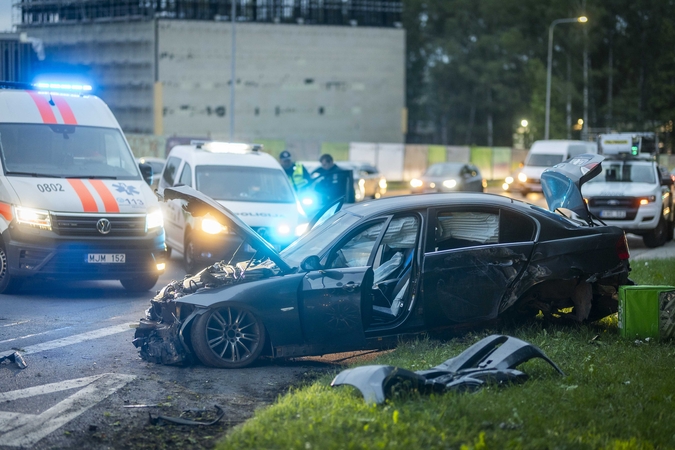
465, 229
318, 238
356, 252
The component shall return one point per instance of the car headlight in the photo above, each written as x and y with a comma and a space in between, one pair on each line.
416, 183
383, 183
505, 186
645, 200
522, 177
450, 183
36, 217
212, 226
300, 229
283, 229
154, 220
509, 180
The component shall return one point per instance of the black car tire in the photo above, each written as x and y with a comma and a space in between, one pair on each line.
189, 255
656, 237
169, 250
8, 284
140, 283
230, 337
524, 193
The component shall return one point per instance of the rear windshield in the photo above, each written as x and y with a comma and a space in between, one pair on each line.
627, 172
543, 160
244, 184
68, 151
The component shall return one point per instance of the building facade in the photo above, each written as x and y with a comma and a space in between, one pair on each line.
303, 70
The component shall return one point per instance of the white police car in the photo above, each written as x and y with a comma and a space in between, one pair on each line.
247, 181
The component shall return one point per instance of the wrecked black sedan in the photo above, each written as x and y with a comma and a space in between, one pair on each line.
362, 276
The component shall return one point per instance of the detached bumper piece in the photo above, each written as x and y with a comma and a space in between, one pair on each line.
160, 343
15, 357
489, 361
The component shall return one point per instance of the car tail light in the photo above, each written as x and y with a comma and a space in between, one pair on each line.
622, 248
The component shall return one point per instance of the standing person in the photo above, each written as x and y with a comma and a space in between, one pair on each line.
296, 172
330, 179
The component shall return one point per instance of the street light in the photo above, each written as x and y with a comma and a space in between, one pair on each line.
581, 19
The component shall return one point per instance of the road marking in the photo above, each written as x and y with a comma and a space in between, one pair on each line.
15, 323
36, 334
25, 430
76, 338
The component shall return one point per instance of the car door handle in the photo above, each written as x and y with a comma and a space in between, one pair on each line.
351, 286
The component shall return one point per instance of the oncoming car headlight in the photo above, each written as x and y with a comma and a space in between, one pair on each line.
450, 183
154, 220
36, 217
522, 177
416, 183
212, 226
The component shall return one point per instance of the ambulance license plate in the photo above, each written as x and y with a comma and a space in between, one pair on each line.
106, 258
613, 214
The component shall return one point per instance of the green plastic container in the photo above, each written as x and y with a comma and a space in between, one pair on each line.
647, 312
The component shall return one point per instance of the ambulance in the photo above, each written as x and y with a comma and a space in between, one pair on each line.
74, 204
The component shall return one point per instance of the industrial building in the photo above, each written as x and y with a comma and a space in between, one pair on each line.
305, 70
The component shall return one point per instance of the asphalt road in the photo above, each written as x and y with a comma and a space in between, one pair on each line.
84, 381
83, 373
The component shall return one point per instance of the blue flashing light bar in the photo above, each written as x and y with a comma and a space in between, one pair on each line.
64, 87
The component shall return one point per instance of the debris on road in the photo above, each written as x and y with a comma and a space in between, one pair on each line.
182, 421
490, 360
15, 357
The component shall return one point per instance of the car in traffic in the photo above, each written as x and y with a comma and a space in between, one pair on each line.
449, 177
364, 275
247, 181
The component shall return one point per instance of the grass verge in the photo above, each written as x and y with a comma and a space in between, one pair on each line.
618, 394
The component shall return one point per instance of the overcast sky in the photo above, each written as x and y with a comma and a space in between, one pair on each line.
5, 15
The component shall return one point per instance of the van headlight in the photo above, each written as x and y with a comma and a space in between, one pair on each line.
154, 220
212, 226
36, 217
522, 177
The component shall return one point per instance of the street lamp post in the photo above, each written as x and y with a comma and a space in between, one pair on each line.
233, 66
581, 19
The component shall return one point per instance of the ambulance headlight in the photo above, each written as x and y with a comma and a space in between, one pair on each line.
154, 220
212, 226
36, 217
300, 229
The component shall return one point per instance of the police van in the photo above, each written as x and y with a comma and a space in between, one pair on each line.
633, 192
74, 203
245, 180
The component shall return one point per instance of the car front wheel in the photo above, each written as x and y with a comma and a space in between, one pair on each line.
189, 255
657, 237
140, 283
231, 337
8, 283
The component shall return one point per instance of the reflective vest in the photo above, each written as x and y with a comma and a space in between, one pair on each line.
298, 178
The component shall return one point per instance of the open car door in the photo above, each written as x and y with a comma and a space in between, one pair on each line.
562, 183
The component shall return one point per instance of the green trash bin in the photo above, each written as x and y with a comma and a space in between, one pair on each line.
647, 312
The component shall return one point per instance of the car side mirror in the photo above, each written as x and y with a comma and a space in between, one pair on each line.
146, 171
311, 263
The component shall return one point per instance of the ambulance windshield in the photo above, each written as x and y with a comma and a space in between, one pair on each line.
65, 151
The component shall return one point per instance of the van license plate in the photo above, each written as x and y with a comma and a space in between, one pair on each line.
613, 214
106, 258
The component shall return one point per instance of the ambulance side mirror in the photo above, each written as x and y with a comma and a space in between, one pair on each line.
146, 171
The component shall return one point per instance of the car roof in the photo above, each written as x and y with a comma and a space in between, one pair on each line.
423, 201
197, 156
